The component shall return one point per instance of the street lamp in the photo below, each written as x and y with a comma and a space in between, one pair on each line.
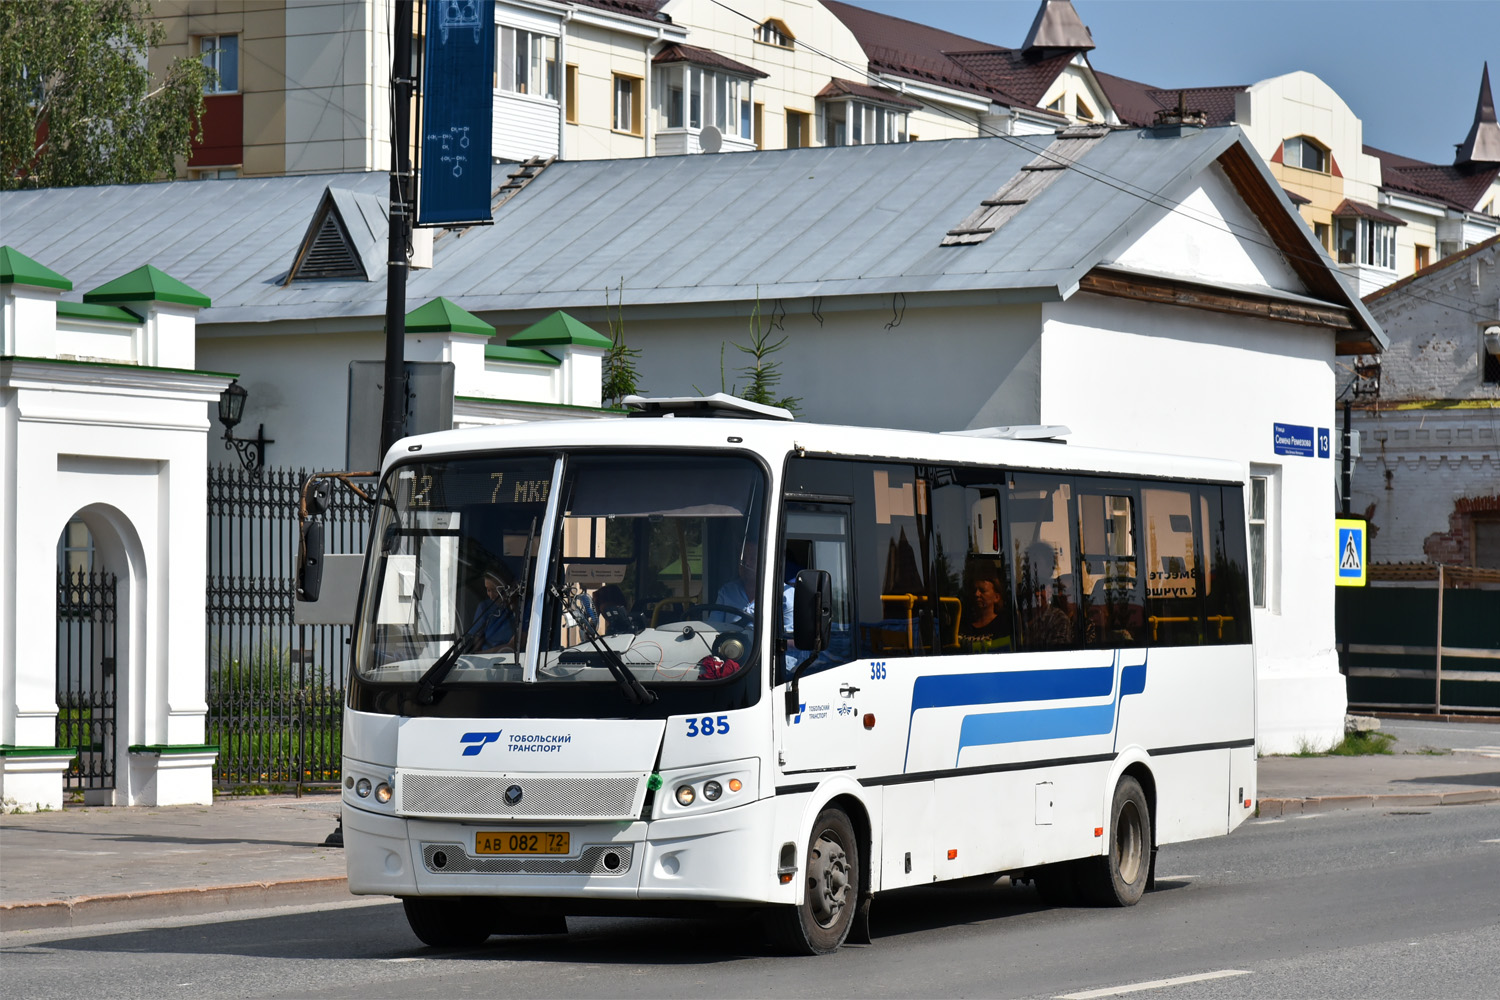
252, 452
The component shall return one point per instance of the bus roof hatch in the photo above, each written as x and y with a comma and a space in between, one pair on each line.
720, 404
1019, 432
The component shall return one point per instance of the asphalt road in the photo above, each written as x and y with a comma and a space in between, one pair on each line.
1415, 735
1402, 903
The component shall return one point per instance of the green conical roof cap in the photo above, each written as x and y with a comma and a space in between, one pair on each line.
18, 269
442, 316
147, 284
559, 328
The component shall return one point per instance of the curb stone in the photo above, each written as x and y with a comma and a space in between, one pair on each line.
83, 911
1271, 808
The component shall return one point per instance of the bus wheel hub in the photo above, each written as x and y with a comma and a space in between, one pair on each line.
828, 880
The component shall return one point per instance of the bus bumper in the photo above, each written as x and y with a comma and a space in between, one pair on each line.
725, 856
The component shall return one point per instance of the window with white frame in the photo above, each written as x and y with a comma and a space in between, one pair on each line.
773, 32
1305, 153
1261, 517
1367, 241
627, 109
528, 63
221, 53
692, 97
859, 123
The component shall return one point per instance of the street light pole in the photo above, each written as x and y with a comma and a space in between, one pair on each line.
393, 413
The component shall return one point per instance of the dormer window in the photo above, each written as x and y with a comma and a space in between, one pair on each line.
773, 32
1308, 154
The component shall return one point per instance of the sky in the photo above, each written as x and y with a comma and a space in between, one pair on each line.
1410, 69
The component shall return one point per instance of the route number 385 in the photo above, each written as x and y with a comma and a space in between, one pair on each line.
707, 726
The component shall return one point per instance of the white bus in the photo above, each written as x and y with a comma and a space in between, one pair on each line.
684, 662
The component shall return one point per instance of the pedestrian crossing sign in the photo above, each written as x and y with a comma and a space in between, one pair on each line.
1352, 553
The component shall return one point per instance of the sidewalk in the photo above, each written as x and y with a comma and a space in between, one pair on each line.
86, 866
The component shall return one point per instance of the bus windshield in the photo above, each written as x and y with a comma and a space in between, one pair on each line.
648, 568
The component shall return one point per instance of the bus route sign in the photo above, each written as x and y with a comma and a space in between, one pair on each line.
1353, 549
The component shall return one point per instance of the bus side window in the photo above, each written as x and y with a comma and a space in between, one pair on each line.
1173, 567
817, 537
1228, 608
1110, 592
1039, 516
893, 549
970, 576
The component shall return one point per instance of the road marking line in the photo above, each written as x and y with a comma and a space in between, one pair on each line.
1490, 841
1155, 984
1176, 878
409, 959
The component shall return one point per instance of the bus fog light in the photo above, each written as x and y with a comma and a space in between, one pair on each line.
735, 784
382, 793
362, 788
685, 795
712, 790
349, 781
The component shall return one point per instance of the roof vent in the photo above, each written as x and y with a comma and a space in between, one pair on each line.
1018, 432
331, 248
720, 404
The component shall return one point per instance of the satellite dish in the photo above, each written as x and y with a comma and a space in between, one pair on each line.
710, 140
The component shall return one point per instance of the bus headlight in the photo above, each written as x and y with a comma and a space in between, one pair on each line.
708, 787
685, 795
362, 788
712, 790
382, 793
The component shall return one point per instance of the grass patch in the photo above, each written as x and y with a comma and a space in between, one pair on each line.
1352, 745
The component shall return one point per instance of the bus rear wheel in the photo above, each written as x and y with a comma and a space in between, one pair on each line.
821, 922
1119, 877
448, 921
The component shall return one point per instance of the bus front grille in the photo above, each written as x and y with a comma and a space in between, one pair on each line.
599, 859
490, 796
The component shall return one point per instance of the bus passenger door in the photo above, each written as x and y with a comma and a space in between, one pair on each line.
819, 737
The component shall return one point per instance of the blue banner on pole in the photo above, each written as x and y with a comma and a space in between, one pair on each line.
458, 74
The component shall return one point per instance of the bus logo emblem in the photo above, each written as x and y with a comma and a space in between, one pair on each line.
513, 795
480, 741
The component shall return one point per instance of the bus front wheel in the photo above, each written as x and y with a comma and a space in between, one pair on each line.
1119, 877
448, 921
821, 922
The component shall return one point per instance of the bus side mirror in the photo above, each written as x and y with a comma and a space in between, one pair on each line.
812, 610
310, 560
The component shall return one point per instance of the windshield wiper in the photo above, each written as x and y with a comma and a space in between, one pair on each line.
466, 643
635, 692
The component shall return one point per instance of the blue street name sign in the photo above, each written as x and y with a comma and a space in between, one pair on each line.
458, 71
1297, 439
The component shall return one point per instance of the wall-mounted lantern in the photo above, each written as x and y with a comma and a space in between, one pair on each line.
231, 407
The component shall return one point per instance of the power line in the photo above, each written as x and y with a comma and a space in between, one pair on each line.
1101, 177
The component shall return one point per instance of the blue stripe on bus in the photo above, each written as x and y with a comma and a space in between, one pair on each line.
951, 690
1003, 687
1038, 724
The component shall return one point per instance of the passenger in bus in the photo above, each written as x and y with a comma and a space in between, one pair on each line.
612, 609
493, 622
1047, 625
987, 625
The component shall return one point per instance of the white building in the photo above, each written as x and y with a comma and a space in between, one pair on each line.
1193, 323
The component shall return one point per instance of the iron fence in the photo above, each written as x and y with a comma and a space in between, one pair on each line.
86, 677
275, 688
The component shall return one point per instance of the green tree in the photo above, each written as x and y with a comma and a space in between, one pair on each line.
762, 374
620, 376
77, 103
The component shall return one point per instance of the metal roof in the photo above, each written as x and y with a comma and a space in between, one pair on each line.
678, 230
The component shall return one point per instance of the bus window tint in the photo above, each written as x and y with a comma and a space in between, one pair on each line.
817, 538
892, 550
1228, 605
1110, 596
1046, 586
1173, 568
970, 576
